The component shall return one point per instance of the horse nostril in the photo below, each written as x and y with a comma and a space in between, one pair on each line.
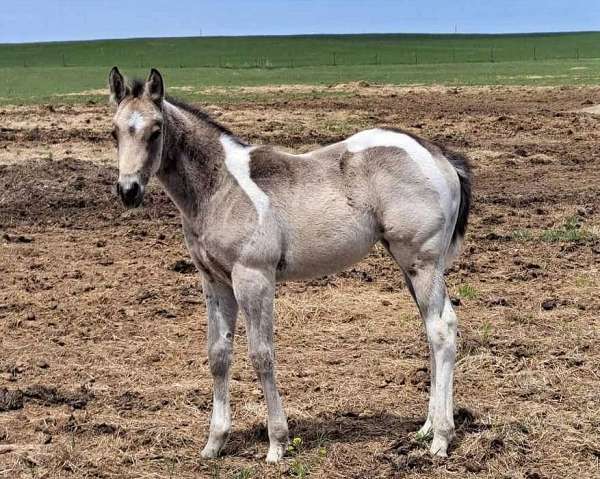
133, 190
130, 193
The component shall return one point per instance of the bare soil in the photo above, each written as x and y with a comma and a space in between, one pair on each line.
102, 360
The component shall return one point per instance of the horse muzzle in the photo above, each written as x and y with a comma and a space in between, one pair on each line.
131, 193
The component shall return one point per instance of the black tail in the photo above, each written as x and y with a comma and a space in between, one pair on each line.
463, 168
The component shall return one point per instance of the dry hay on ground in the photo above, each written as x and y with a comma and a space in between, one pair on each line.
103, 370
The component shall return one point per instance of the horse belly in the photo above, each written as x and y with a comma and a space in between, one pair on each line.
327, 245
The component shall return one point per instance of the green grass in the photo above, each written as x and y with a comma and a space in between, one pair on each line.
466, 291
571, 231
304, 50
486, 333
299, 469
244, 473
521, 235
51, 84
33, 73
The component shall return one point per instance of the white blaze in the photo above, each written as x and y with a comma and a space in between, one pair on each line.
237, 161
136, 121
419, 154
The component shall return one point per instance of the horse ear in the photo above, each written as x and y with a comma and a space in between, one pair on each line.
155, 87
117, 86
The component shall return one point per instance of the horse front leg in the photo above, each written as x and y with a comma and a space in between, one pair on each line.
222, 312
255, 292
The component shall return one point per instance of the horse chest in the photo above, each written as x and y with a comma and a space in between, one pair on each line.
205, 260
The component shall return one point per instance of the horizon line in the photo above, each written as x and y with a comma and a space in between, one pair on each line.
168, 37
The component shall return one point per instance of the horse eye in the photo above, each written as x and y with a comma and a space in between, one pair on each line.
114, 135
155, 134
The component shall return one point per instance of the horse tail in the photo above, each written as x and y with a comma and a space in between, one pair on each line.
463, 170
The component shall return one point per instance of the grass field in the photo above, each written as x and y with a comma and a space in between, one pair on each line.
307, 50
47, 72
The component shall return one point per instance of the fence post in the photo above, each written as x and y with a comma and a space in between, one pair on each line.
534, 53
416, 59
577, 53
63, 60
334, 59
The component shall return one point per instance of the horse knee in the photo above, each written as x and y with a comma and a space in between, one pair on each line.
262, 358
219, 358
442, 332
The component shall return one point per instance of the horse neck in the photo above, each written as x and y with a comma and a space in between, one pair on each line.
191, 161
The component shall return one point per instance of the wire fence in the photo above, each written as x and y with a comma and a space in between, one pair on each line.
319, 59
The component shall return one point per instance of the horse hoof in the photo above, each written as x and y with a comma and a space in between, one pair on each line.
275, 454
439, 447
210, 452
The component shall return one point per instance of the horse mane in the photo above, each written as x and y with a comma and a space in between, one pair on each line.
136, 87
200, 115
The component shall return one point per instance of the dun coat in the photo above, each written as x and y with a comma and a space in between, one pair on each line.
253, 215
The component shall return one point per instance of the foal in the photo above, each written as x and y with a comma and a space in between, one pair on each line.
253, 215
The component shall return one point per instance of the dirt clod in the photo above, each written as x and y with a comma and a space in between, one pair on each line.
420, 378
534, 475
16, 238
183, 266
10, 400
497, 301
549, 304
463, 417
42, 364
50, 396
108, 429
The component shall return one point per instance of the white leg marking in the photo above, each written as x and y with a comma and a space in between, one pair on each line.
136, 121
237, 161
222, 312
441, 331
422, 157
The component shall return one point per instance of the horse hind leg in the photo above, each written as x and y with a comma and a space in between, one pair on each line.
425, 277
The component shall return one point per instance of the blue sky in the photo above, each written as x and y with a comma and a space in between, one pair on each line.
49, 20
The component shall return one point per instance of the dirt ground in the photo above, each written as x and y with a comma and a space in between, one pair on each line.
103, 369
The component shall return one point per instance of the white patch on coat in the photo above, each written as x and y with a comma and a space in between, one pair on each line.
419, 154
136, 121
237, 161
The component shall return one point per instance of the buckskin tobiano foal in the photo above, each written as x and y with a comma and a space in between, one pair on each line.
253, 215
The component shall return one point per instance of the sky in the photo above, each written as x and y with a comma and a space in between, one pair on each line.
55, 20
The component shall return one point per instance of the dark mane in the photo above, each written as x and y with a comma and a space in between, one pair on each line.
200, 114
136, 87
